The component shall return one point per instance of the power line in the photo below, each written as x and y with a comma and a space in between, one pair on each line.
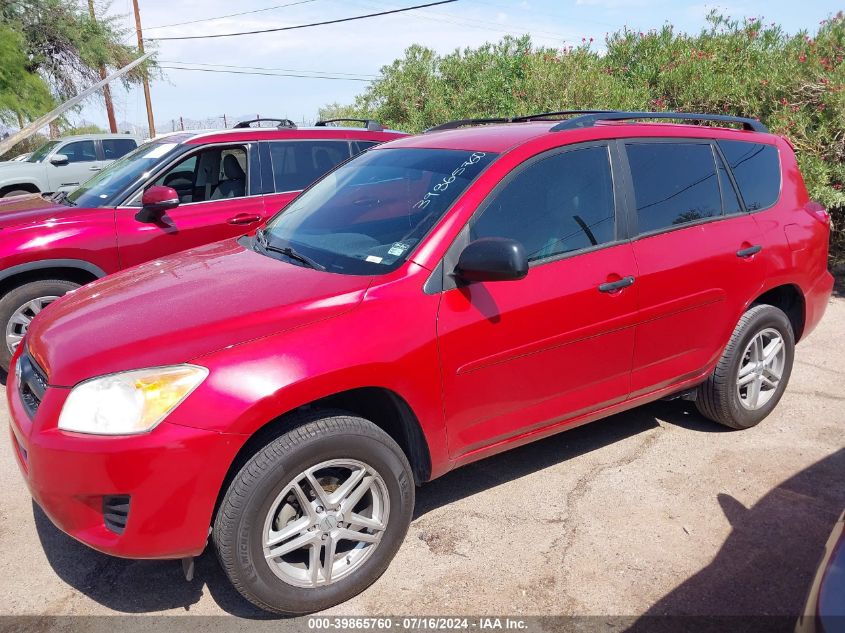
283, 70
305, 26
477, 23
230, 15
267, 74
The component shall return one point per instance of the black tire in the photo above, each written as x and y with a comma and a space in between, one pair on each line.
717, 397
239, 523
16, 192
20, 296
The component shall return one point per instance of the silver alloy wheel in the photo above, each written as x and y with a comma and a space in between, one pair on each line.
326, 522
761, 369
22, 317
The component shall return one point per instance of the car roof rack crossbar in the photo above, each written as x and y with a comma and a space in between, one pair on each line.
283, 123
453, 125
370, 124
588, 120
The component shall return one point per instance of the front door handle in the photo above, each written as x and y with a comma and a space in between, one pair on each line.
613, 286
748, 252
95, 168
244, 218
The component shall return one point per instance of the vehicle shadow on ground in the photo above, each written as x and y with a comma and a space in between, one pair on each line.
766, 565
151, 586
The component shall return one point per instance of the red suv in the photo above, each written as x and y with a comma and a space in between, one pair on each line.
434, 301
225, 183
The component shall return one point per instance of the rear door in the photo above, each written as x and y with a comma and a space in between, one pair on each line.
215, 186
695, 251
521, 355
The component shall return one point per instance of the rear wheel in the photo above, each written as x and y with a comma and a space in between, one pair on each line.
753, 371
315, 516
20, 305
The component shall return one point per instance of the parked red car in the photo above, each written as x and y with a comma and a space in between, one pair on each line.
434, 301
224, 183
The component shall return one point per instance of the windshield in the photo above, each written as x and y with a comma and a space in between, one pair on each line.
41, 153
366, 217
103, 189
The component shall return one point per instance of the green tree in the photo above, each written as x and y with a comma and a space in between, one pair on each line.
59, 42
793, 83
23, 93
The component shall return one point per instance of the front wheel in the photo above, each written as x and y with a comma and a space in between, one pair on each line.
316, 515
753, 372
20, 305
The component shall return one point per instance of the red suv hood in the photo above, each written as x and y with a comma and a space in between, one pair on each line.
175, 309
23, 209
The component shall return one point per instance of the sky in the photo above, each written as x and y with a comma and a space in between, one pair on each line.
355, 51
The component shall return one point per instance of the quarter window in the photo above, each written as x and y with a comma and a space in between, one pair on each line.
296, 164
756, 168
556, 205
674, 184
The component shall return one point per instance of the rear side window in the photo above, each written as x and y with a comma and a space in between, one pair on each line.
296, 164
756, 169
556, 205
674, 183
114, 148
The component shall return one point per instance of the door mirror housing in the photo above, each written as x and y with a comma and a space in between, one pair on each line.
492, 259
155, 202
59, 160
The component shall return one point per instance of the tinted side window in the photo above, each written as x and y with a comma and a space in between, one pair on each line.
79, 152
756, 168
114, 148
559, 204
296, 164
674, 183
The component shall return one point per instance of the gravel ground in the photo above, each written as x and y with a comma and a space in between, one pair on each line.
653, 511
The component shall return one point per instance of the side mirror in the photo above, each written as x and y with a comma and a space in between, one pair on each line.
155, 202
492, 259
58, 160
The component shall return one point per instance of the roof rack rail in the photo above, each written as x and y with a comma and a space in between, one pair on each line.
453, 125
545, 115
370, 124
283, 123
588, 120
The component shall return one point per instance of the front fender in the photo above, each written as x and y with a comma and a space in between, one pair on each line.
252, 384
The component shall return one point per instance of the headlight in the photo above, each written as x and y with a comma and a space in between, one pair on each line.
129, 402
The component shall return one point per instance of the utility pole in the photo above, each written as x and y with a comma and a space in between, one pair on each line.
150, 120
106, 90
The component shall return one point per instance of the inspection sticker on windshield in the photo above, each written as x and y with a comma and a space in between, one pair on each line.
374, 258
398, 248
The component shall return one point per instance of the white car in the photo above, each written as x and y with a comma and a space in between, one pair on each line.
63, 164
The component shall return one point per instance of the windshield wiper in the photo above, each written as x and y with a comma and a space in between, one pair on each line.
61, 197
287, 251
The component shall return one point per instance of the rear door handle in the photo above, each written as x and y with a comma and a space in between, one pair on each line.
613, 286
244, 218
748, 252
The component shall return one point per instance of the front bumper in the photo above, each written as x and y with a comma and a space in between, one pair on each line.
172, 476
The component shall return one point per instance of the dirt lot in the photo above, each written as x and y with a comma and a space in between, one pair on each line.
652, 511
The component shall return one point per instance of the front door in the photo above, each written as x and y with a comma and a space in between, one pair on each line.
518, 356
213, 185
82, 163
